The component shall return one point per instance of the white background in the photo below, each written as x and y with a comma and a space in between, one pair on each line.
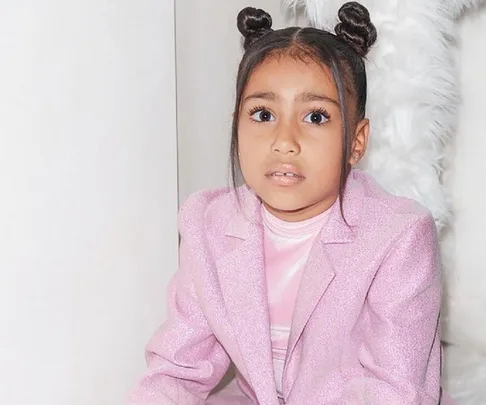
88, 197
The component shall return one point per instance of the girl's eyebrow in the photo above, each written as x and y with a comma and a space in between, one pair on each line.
305, 97
265, 95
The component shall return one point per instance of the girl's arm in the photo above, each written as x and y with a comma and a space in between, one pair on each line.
185, 360
401, 356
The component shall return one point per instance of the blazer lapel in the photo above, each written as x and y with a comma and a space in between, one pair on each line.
320, 269
241, 274
318, 274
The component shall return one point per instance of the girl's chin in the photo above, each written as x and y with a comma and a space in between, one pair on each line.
288, 209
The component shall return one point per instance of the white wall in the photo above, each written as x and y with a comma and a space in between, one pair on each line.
468, 284
465, 360
208, 53
88, 195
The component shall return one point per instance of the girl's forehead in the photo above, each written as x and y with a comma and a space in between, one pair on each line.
277, 74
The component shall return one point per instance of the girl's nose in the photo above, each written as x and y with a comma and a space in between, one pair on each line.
285, 142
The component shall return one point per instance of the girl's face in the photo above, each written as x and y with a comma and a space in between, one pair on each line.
290, 137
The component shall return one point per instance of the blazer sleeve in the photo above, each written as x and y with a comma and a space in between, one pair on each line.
185, 360
401, 354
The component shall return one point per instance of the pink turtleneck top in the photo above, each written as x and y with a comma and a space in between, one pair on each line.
286, 246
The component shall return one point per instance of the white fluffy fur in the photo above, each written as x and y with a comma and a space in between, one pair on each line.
457, 7
465, 375
412, 94
413, 102
466, 312
467, 189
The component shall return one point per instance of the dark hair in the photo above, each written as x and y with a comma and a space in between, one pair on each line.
343, 53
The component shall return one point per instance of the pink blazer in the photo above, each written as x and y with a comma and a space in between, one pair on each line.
366, 324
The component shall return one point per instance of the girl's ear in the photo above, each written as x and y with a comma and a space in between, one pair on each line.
360, 141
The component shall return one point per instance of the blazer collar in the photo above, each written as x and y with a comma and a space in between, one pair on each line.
336, 231
241, 272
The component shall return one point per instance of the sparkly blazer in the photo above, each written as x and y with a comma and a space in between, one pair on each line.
365, 328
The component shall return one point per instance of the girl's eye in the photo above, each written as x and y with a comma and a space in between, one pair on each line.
262, 115
316, 117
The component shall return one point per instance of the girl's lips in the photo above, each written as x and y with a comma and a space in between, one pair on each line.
284, 169
285, 178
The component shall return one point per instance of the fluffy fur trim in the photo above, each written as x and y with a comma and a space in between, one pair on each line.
465, 374
412, 94
453, 8
465, 309
458, 7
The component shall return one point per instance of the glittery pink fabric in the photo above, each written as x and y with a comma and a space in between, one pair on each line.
286, 249
365, 324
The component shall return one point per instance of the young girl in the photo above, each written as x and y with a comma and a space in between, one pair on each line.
319, 286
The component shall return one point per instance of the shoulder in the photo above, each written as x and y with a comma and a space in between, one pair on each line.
395, 213
207, 208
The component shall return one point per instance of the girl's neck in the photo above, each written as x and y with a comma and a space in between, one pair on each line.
285, 228
303, 214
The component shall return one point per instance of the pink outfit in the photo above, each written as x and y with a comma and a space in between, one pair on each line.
365, 326
286, 249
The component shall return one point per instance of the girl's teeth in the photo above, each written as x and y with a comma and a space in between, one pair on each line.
288, 174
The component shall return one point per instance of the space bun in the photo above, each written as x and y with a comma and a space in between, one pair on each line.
253, 23
355, 27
